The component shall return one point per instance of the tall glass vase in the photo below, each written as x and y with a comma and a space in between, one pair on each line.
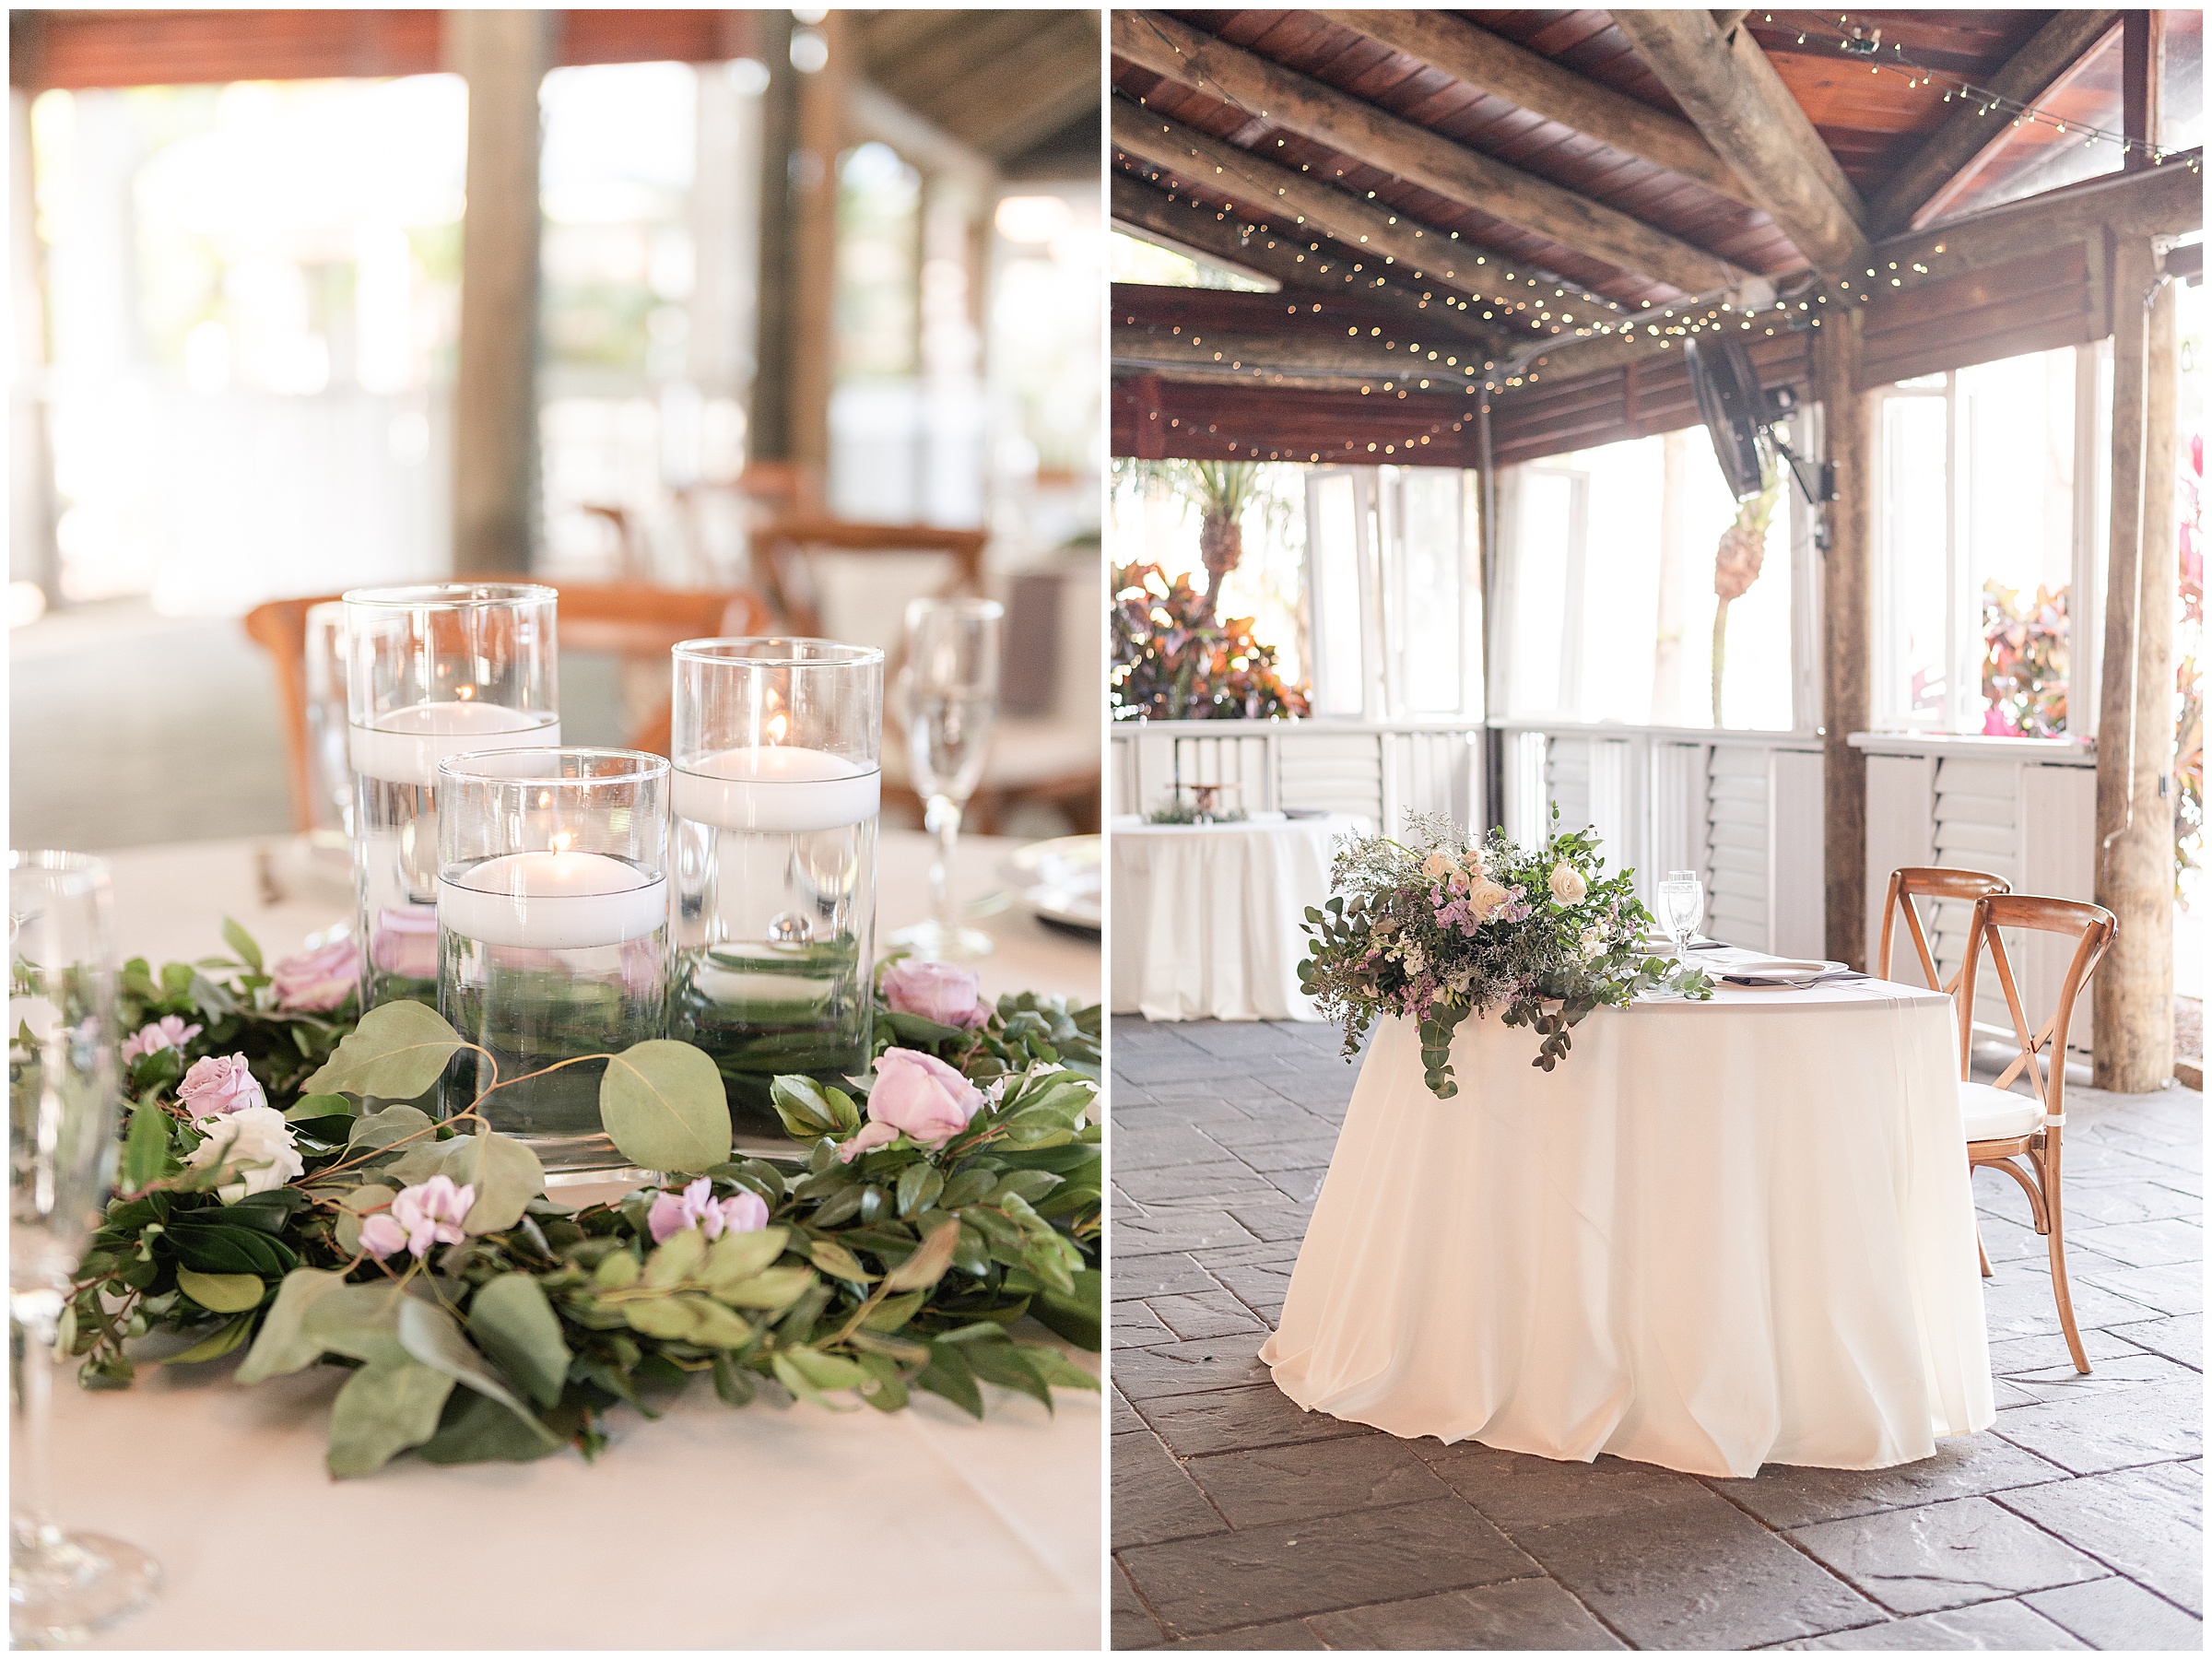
552, 937
432, 672
776, 792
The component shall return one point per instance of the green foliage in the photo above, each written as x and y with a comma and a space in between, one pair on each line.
1175, 660
907, 1269
1445, 926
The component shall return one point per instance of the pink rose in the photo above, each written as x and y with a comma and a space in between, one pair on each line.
696, 1206
317, 981
168, 1032
918, 1094
220, 1085
936, 991
406, 942
428, 1214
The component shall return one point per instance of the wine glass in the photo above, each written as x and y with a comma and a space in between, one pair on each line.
1682, 908
951, 682
62, 1584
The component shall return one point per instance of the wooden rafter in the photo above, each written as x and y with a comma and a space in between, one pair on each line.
1297, 266
1304, 200
1203, 354
1731, 93
1285, 99
1537, 84
1947, 162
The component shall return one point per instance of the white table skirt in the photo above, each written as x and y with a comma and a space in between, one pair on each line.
763, 1527
1206, 917
1717, 1236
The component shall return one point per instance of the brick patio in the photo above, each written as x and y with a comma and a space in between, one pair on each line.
1240, 1522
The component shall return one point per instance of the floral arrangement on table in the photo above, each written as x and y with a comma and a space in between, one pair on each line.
1443, 926
271, 1200
1175, 660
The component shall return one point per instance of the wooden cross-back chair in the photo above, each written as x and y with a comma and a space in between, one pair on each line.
783, 547
2002, 1128
1929, 882
636, 623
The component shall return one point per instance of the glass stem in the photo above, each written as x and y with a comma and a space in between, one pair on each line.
33, 1317
943, 817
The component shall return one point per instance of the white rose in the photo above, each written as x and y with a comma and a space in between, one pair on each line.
1437, 865
1484, 897
1594, 941
1567, 885
256, 1136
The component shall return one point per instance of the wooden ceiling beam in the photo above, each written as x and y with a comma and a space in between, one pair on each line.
1733, 95
1148, 211
1210, 353
1496, 64
1029, 93
1360, 226
1943, 166
1285, 99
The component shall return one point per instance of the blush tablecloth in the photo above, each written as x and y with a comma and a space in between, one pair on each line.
1719, 1235
767, 1527
1206, 917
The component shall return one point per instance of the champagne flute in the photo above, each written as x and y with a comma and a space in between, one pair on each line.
1682, 908
951, 680
62, 1584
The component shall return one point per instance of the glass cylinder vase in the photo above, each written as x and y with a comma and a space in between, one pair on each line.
552, 935
776, 791
433, 671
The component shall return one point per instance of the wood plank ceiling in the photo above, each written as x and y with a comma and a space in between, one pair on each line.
1020, 88
1511, 180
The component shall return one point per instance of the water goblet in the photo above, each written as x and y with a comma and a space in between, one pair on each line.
951, 681
63, 1583
1682, 908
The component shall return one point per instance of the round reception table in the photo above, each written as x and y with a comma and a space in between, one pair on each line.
1206, 917
1718, 1235
764, 1527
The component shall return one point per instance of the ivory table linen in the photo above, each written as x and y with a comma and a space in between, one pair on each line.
1719, 1235
1206, 917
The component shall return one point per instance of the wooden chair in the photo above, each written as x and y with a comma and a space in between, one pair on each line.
636, 623
783, 547
2002, 1127
1929, 882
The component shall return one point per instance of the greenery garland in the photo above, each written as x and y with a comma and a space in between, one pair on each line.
877, 1272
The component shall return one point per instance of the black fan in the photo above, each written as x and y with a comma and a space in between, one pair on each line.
1735, 411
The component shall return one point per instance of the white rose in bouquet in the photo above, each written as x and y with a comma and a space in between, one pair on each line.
256, 1136
1437, 865
1567, 885
1484, 897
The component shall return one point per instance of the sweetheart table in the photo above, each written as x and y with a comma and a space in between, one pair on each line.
1718, 1235
712, 1528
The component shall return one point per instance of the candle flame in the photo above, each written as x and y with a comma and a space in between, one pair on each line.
563, 841
777, 726
544, 798
466, 692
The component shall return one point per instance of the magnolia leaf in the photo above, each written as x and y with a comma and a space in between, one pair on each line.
517, 1327
373, 1130
736, 1256
383, 1410
894, 1312
927, 1264
1006, 1366
1073, 1316
217, 1343
800, 1103
399, 1050
352, 1207
949, 1374
146, 1152
663, 1105
505, 1173
239, 941
281, 1345
919, 1186
833, 1259
223, 1293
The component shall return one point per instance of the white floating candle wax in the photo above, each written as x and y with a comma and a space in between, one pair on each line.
776, 788
552, 902
406, 745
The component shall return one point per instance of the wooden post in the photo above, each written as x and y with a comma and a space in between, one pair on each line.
1847, 633
2142, 66
821, 134
502, 55
2133, 994
768, 424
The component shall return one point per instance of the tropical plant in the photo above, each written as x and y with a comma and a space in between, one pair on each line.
2024, 657
1221, 490
1174, 660
1735, 566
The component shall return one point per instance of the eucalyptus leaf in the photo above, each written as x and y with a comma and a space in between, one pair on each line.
281, 1345
475, 1428
770, 1289
663, 1105
713, 1325
672, 1262
516, 1326
505, 1173
433, 1336
737, 1256
146, 1156
360, 1321
352, 1207
311, 1107
399, 1050
223, 1293
383, 1410
239, 941
373, 1130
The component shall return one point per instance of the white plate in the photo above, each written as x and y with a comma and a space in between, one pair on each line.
1062, 879
1795, 971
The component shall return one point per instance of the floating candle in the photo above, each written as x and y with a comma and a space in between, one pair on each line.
776, 789
406, 745
552, 902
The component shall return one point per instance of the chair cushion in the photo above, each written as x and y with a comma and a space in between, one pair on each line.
1994, 1114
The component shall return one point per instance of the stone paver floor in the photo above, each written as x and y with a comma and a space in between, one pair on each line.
1240, 1522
